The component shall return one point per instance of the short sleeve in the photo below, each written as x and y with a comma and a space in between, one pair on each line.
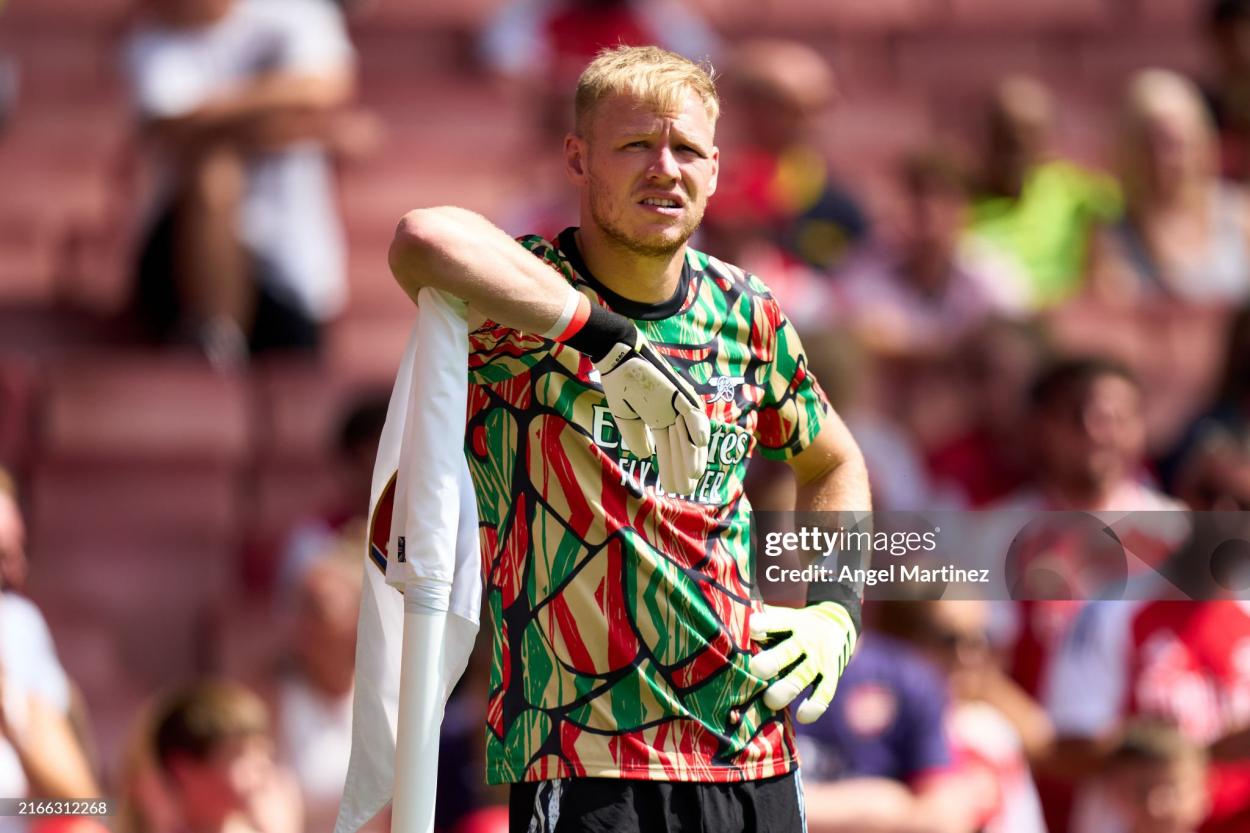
498, 353
317, 38
27, 652
165, 81
793, 407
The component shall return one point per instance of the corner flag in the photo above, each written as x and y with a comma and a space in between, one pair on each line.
422, 589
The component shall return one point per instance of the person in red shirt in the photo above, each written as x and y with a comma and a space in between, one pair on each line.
1181, 653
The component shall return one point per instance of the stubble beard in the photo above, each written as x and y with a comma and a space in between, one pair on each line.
656, 248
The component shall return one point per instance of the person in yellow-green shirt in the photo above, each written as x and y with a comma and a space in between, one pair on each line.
1035, 209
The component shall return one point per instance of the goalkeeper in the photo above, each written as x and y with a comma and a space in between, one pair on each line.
619, 383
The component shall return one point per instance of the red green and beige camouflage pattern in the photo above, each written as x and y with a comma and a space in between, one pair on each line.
620, 612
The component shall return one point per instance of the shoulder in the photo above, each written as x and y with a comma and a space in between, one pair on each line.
20, 614
728, 277
734, 289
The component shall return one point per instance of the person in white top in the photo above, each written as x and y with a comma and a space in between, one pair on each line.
238, 101
39, 754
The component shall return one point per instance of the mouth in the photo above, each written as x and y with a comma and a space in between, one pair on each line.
669, 206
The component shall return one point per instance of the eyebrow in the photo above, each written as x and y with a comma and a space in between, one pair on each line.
678, 137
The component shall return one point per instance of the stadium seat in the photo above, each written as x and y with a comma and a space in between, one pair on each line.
1031, 16
1170, 15
464, 14
144, 407
800, 17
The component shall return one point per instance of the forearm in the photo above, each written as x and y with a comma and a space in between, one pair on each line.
257, 111
1036, 731
51, 757
464, 255
843, 488
859, 805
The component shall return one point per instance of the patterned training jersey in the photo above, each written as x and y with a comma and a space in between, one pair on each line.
620, 612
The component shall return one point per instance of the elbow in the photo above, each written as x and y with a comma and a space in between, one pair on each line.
422, 240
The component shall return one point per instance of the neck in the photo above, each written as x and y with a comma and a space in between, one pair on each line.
1076, 494
1181, 196
642, 278
929, 269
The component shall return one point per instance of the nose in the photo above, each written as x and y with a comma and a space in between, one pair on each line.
663, 165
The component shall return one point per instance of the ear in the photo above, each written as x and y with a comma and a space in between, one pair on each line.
711, 183
575, 151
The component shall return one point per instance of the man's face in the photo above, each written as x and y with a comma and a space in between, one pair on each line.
645, 176
938, 216
1096, 433
225, 782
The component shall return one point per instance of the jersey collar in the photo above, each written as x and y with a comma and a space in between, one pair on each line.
636, 310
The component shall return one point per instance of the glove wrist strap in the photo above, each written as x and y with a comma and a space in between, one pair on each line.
602, 330
838, 593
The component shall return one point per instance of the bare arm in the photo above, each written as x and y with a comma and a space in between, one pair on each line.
466, 256
49, 753
276, 108
831, 473
878, 805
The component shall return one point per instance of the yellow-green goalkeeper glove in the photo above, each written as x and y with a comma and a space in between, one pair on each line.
820, 638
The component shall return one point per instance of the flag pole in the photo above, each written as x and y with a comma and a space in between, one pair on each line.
420, 708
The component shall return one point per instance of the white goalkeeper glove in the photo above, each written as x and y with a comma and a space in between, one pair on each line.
657, 412
819, 637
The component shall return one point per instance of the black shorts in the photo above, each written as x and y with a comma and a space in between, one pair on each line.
610, 805
277, 324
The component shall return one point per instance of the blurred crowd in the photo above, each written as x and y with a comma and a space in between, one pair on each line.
1002, 328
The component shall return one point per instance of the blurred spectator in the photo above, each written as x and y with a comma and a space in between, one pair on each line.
880, 757
919, 296
239, 101
13, 567
779, 196
214, 745
313, 695
1178, 661
144, 801
853, 384
1228, 26
39, 753
1185, 233
1157, 779
1087, 431
989, 460
1211, 467
993, 726
1030, 206
1088, 441
551, 41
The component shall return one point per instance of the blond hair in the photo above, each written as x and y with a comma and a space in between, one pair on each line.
654, 76
1161, 93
